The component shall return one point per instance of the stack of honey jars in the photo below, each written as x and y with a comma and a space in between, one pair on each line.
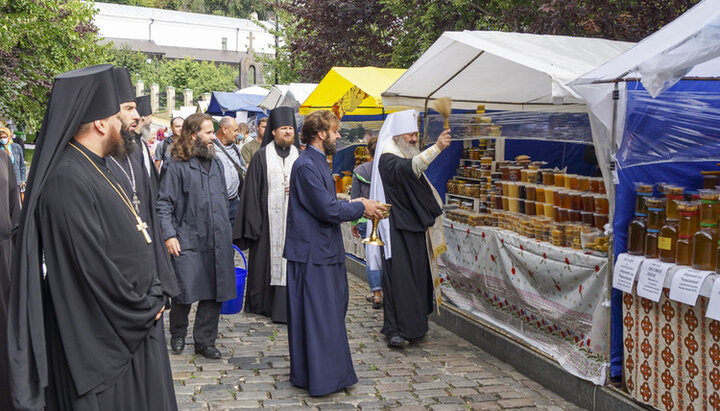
675, 229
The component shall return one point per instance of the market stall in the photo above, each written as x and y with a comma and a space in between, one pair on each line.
524, 214
654, 112
287, 95
243, 100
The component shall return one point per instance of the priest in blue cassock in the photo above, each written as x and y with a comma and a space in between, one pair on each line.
317, 288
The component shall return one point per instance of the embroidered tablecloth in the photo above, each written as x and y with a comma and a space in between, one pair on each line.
551, 298
672, 353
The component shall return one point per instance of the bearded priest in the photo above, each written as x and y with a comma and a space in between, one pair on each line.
261, 216
413, 234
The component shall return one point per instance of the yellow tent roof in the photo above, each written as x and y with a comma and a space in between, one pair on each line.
351, 90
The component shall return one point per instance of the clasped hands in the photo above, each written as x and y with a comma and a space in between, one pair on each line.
373, 209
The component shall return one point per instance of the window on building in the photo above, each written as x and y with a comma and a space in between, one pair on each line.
224, 43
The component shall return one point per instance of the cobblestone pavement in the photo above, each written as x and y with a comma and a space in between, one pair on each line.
441, 372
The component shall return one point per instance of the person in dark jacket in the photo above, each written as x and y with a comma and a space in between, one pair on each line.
193, 212
317, 288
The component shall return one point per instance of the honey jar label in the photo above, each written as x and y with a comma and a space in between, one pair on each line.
665, 243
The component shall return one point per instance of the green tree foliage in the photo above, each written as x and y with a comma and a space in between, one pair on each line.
201, 77
330, 33
422, 22
39, 40
283, 63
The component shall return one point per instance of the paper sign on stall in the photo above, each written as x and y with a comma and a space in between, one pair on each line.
626, 267
713, 309
686, 284
651, 278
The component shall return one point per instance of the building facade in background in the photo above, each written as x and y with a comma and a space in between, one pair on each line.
176, 35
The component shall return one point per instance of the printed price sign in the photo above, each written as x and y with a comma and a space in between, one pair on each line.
686, 284
626, 268
651, 279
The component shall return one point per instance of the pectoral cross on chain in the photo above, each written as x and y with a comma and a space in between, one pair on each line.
142, 227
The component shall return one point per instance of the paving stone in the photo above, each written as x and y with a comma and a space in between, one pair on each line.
485, 406
439, 372
430, 393
257, 387
251, 395
296, 402
245, 405
516, 403
337, 406
430, 385
214, 396
447, 407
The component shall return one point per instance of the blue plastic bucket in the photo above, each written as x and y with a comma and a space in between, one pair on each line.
235, 305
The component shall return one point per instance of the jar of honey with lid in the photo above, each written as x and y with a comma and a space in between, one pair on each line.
655, 221
667, 242
704, 247
688, 224
636, 230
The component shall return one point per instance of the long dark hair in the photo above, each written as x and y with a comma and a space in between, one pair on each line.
182, 147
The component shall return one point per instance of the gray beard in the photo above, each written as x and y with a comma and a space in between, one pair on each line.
145, 132
202, 150
407, 150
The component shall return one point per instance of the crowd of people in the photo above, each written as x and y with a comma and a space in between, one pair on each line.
120, 225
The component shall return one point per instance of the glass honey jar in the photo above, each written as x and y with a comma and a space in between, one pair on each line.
588, 202
688, 224
602, 205
565, 201
575, 201
655, 221
584, 183
559, 179
636, 230
667, 242
548, 177
704, 249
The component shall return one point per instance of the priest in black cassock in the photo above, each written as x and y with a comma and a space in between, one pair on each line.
84, 334
317, 287
262, 210
138, 177
9, 218
413, 234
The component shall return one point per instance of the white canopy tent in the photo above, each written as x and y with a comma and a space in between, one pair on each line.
290, 95
503, 71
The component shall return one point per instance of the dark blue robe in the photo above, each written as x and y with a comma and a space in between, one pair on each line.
317, 287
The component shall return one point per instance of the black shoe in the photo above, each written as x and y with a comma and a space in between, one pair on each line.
177, 345
377, 303
209, 352
398, 341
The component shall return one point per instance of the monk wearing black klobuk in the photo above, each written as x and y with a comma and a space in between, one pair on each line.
317, 287
84, 334
413, 234
137, 175
262, 210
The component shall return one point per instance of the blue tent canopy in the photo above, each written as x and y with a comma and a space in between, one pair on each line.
224, 103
